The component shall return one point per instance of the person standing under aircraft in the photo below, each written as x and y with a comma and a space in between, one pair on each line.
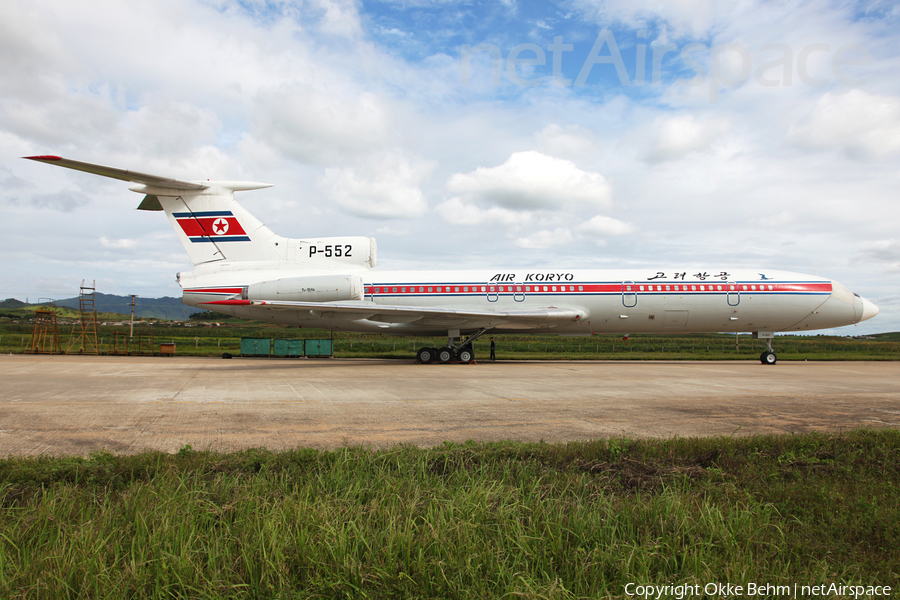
493, 347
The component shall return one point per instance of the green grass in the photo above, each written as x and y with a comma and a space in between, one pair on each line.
213, 341
501, 520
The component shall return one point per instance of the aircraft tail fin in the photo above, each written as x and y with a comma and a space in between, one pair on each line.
210, 223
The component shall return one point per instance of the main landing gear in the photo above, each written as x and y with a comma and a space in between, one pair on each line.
768, 356
455, 351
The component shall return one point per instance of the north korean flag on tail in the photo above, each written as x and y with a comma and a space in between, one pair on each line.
211, 226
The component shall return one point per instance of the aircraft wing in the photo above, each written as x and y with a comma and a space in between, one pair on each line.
531, 318
121, 174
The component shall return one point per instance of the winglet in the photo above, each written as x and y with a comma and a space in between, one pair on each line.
44, 158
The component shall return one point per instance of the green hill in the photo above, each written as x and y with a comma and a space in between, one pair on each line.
167, 308
12, 303
155, 308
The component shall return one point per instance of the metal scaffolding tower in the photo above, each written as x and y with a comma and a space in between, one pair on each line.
85, 342
118, 344
45, 338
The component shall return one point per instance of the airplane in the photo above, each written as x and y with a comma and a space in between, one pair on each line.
243, 268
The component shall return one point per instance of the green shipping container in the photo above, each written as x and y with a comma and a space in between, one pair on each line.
318, 348
288, 348
256, 347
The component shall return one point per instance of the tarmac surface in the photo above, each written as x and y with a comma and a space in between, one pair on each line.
56, 405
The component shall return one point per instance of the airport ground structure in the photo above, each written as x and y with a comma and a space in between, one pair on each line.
58, 405
199, 338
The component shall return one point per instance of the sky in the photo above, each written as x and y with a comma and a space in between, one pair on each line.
510, 134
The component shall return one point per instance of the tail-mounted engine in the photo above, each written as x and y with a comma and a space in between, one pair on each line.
320, 288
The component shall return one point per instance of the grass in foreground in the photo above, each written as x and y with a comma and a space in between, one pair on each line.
213, 341
579, 520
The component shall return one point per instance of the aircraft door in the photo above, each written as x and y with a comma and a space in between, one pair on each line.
734, 293
492, 293
629, 294
519, 293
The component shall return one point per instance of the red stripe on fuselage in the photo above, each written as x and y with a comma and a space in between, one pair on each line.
602, 288
232, 302
214, 291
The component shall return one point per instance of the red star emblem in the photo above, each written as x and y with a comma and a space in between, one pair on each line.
220, 226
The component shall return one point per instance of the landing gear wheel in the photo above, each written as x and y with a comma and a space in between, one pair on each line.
768, 358
445, 355
426, 355
466, 355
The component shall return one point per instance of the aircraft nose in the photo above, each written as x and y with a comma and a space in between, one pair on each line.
869, 310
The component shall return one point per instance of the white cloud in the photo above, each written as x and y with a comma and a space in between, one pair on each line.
8, 181
778, 220
676, 137
123, 244
546, 239
383, 188
341, 17
392, 232
457, 212
63, 201
882, 251
572, 142
321, 125
530, 180
685, 17
605, 226
861, 124
172, 128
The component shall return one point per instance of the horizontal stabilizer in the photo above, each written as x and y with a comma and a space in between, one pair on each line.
121, 174
210, 224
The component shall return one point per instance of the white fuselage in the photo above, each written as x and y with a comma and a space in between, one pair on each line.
670, 300
243, 268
